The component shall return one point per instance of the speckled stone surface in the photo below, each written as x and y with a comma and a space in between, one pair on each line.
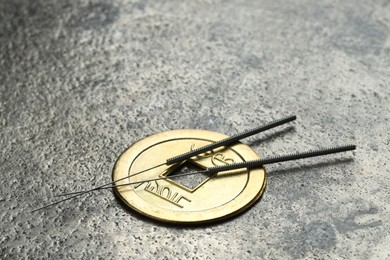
82, 80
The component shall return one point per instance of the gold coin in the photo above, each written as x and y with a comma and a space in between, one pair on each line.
193, 198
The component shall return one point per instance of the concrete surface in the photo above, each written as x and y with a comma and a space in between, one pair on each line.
82, 80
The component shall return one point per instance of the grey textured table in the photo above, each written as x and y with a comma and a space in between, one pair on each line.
82, 80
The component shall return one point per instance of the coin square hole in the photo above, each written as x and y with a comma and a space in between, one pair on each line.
189, 181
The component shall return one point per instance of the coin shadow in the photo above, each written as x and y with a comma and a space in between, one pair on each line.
309, 167
182, 226
272, 136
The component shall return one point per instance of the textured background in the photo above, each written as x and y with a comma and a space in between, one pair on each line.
82, 80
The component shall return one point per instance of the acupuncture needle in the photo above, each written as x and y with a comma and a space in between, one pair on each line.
252, 164
224, 142
233, 166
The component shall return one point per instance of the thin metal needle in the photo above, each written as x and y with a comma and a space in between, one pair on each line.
57, 202
254, 164
187, 155
109, 183
74, 196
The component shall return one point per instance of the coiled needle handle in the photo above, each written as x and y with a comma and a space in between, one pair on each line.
230, 140
276, 159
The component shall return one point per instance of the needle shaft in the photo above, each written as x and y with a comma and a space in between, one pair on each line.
108, 183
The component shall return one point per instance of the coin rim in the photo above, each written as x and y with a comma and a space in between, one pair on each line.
145, 144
